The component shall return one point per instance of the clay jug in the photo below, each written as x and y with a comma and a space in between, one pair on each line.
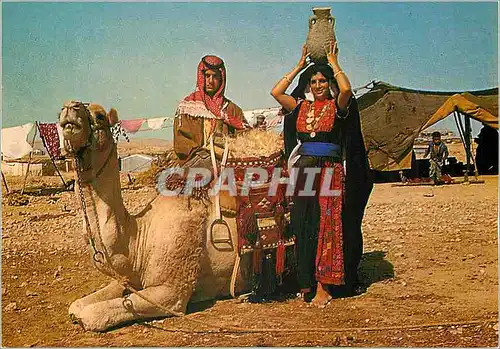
321, 33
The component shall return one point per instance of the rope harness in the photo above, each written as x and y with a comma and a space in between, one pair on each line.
101, 258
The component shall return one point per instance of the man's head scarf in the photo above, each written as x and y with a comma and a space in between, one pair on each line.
215, 103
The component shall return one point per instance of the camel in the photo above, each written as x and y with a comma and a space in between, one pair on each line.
164, 252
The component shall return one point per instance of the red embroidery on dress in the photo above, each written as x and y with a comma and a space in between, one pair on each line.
325, 124
330, 254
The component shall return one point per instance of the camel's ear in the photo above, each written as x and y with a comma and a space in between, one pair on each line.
112, 117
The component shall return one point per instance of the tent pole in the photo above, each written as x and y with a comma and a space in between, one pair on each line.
461, 130
476, 172
50, 155
462, 136
5, 183
471, 153
29, 161
468, 132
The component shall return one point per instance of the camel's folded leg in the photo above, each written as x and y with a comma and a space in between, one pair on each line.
111, 291
104, 315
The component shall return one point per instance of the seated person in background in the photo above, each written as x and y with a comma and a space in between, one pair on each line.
438, 153
261, 122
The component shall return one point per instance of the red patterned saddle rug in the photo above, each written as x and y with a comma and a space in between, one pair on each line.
261, 217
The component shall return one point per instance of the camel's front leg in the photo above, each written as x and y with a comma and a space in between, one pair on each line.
112, 291
104, 315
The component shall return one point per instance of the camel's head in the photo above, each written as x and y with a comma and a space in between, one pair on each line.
86, 125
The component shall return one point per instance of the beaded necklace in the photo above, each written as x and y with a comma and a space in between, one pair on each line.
312, 121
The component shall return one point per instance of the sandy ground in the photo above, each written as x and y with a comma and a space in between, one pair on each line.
430, 259
154, 145
143, 146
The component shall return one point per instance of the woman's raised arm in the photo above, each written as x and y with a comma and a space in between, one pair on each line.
345, 92
278, 91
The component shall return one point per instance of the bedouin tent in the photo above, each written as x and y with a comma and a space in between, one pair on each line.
392, 117
481, 108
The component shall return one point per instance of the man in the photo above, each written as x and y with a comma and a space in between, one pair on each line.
260, 122
439, 153
205, 114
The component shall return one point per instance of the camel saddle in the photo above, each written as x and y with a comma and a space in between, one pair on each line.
261, 219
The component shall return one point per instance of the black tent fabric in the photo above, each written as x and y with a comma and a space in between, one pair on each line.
392, 117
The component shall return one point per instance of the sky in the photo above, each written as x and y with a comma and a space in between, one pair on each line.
141, 58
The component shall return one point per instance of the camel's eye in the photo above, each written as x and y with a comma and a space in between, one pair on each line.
100, 116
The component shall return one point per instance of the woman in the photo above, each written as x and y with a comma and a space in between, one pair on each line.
323, 131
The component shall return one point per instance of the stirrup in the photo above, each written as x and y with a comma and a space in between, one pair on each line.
227, 240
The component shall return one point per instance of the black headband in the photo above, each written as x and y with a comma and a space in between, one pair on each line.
211, 66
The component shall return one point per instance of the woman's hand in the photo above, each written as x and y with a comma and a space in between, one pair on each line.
279, 90
332, 52
343, 82
303, 59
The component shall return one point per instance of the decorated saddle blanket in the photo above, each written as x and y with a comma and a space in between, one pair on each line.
262, 209
258, 203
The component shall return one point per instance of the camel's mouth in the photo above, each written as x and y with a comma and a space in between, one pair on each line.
69, 125
70, 128
73, 132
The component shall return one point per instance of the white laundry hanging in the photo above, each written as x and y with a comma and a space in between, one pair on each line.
156, 123
15, 141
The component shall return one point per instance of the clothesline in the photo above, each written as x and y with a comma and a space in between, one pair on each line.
149, 129
16, 144
16, 141
135, 125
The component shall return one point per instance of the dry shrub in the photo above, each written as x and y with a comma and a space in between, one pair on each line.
17, 199
255, 143
148, 177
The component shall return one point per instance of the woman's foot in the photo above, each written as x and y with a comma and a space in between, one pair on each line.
307, 295
322, 297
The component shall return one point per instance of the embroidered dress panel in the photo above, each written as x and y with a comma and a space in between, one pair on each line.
318, 116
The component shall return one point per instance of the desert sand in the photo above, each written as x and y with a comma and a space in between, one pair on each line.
430, 261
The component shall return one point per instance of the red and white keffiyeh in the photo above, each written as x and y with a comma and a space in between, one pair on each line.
200, 104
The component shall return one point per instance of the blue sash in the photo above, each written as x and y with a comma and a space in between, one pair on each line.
319, 149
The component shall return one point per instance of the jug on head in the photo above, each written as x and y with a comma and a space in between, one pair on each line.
321, 33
